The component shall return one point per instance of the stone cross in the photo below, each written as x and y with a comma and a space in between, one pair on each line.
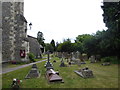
48, 56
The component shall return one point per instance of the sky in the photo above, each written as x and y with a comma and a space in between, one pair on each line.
62, 19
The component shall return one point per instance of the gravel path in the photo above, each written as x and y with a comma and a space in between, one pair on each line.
15, 68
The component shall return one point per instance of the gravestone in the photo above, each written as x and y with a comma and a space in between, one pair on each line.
62, 63
106, 64
33, 73
59, 54
73, 56
54, 61
85, 72
48, 65
53, 76
78, 61
34, 66
78, 55
84, 57
98, 58
92, 59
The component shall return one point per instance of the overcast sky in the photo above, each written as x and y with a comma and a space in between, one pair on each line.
62, 19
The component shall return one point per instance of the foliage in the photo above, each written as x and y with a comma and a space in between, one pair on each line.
31, 57
40, 38
66, 46
111, 59
53, 45
49, 47
111, 18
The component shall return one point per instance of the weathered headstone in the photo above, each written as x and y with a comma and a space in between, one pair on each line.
78, 55
62, 63
92, 59
73, 56
98, 58
59, 54
33, 73
84, 57
85, 73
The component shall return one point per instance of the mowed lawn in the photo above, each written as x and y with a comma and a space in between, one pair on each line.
104, 76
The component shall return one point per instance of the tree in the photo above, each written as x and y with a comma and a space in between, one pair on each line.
53, 45
111, 19
40, 38
49, 47
66, 46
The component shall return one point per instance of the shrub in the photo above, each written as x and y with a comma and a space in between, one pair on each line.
31, 57
111, 59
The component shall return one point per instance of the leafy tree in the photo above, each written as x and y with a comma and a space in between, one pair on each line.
53, 45
40, 38
49, 47
111, 18
66, 46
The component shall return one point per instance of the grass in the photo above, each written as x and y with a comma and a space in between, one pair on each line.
105, 77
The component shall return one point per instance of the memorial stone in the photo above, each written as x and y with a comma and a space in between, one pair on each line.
92, 59
33, 73
85, 72
48, 65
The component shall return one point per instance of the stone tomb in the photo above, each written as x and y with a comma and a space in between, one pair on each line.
33, 73
85, 72
53, 76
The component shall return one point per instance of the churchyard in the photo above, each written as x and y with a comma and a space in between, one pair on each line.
104, 76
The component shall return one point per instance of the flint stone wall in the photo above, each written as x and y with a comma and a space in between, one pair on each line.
14, 27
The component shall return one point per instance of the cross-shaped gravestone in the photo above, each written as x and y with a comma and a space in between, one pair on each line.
48, 65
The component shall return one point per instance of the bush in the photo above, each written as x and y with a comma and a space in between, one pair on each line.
31, 57
111, 59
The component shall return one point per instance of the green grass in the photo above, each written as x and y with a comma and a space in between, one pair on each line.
105, 77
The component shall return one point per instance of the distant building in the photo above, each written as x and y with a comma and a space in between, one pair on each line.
34, 47
15, 45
